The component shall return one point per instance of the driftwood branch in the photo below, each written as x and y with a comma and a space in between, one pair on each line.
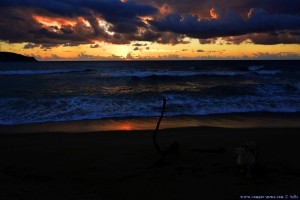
157, 126
173, 149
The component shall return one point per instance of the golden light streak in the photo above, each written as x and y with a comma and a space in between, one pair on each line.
105, 25
53, 21
84, 21
146, 18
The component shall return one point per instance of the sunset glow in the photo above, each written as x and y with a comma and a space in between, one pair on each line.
125, 127
150, 30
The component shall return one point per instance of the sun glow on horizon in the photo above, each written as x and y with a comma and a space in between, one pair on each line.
143, 50
125, 127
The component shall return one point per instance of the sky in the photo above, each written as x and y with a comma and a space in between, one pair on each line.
151, 29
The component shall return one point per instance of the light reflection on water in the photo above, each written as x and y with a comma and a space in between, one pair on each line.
191, 87
69, 91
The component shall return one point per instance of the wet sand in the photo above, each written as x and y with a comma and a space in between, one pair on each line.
120, 164
232, 120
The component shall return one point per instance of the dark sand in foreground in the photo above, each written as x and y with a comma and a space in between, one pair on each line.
119, 165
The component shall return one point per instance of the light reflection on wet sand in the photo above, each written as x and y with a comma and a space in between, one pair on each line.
249, 120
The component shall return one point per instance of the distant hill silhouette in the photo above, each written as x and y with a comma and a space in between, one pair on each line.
14, 57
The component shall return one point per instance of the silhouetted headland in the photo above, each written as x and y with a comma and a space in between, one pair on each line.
14, 57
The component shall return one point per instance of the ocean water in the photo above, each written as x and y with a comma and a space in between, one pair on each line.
67, 91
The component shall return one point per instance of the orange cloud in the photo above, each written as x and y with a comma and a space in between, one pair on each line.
213, 14
84, 21
48, 21
146, 18
164, 9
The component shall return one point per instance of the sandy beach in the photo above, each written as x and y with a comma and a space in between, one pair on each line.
120, 164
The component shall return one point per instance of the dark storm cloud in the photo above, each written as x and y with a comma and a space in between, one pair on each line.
240, 6
283, 37
29, 30
276, 6
267, 13
227, 24
109, 9
122, 17
267, 38
269, 22
115, 11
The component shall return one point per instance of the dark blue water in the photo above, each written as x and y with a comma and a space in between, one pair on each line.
64, 91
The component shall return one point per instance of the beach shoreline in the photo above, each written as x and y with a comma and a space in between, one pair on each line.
230, 120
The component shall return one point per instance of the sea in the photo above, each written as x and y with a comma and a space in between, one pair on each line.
70, 91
